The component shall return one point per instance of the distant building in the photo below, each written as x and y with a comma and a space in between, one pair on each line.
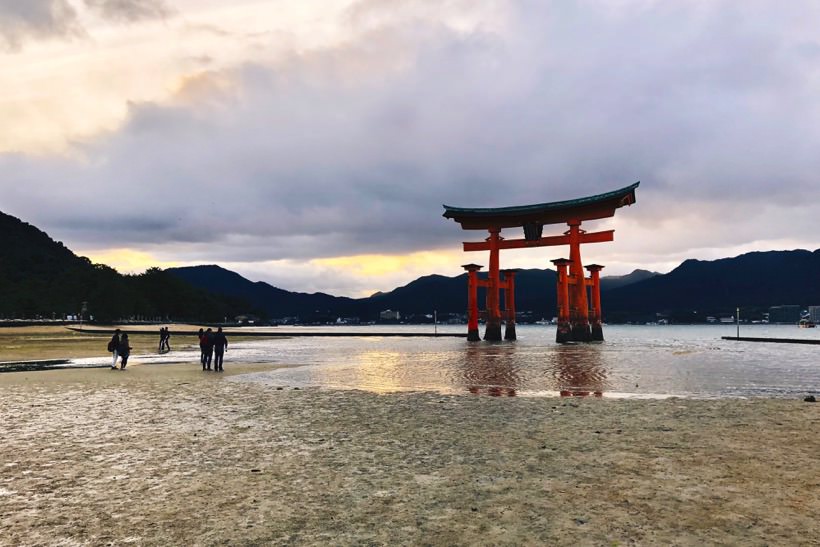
348, 321
784, 314
814, 314
390, 315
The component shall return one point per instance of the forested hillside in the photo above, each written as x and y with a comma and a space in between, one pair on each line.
40, 277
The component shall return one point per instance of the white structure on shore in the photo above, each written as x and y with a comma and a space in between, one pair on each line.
390, 315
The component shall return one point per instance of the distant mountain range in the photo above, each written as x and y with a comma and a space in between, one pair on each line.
535, 290
690, 293
41, 277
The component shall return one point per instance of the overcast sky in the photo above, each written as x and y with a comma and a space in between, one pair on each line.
312, 143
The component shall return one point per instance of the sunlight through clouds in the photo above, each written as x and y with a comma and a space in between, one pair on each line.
127, 261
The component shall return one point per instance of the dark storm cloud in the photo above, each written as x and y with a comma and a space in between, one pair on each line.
130, 10
354, 149
24, 19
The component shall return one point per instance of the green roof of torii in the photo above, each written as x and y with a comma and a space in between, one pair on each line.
555, 212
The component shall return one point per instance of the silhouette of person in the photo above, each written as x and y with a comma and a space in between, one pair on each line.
202, 343
114, 348
220, 347
161, 339
124, 350
167, 339
209, 348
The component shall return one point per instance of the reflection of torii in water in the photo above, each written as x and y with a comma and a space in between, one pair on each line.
579, 371
490, 370
496, 370
576, 321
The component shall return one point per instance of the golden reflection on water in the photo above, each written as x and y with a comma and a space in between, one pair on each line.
495, 369
378, 371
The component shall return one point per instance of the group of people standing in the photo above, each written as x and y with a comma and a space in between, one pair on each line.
213, 346
119, 348
164, 337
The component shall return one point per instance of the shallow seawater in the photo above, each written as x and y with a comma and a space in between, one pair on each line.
634, 361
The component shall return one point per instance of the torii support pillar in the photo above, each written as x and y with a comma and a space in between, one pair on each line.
595, 315
564, 333
472, 302
509, 303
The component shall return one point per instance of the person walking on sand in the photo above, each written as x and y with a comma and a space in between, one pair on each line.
167, 339
209, 348
161, 339
124, 351
202, 347
114, 348
220, 347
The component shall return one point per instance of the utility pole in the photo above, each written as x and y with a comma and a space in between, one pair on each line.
737, 320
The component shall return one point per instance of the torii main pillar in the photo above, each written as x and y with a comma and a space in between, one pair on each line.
492, 328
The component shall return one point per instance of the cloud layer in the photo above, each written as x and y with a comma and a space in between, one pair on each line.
25, 20
352, 149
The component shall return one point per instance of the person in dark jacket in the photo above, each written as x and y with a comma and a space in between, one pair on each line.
202, 344
114, 348
208, 348
220, 347
124, 351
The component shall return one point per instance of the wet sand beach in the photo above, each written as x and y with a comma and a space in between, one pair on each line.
169, 455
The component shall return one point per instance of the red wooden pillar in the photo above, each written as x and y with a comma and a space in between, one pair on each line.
492, 330
509, 303
595, 289
472, 301
579, 308
564, 333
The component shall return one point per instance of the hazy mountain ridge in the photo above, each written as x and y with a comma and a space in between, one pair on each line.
753, 280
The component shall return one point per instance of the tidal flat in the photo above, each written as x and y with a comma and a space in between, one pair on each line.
169, 455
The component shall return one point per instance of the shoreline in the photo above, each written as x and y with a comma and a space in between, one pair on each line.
169, 455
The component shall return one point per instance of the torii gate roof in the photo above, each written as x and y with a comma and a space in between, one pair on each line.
555, 212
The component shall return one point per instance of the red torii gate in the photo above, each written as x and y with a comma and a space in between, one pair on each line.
576, 320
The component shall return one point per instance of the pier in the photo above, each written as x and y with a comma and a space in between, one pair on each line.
772, 340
